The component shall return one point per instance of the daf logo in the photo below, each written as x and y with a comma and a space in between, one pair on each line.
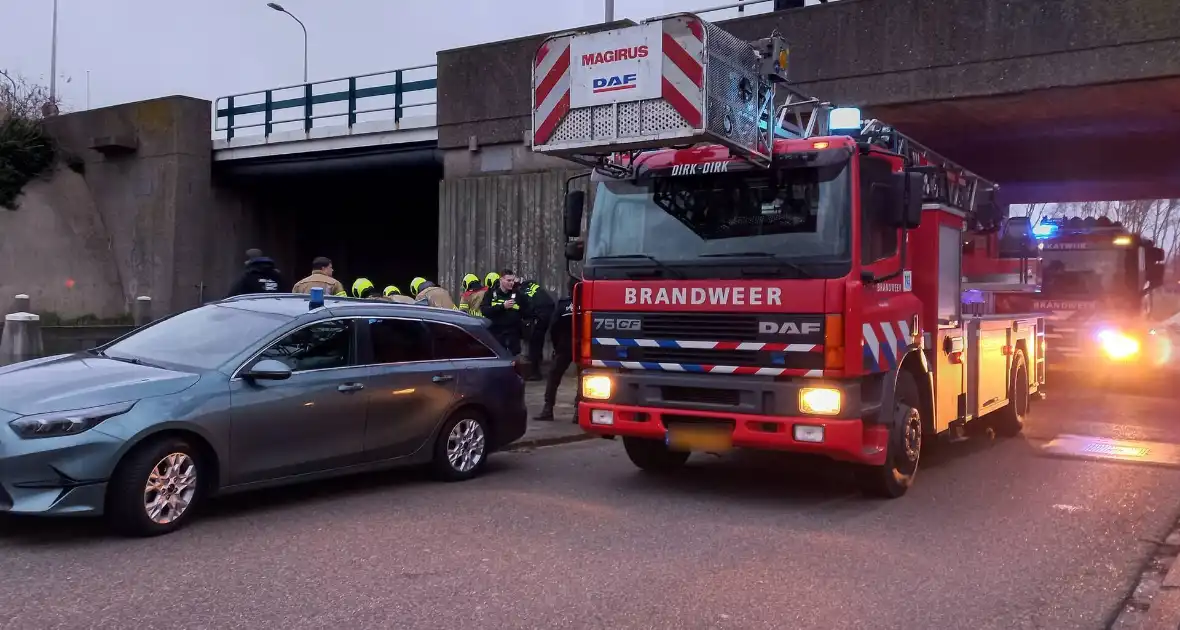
787, 328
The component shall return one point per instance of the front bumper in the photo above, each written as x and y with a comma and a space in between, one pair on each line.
61, 476
761, 413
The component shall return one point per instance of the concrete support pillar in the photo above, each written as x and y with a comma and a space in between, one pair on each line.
21, 340
21, 304
143, 311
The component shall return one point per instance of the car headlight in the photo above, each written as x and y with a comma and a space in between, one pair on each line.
1118, 346
820, 401
59, 423
596, 386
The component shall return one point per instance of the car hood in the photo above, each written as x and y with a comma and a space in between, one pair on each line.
69, 382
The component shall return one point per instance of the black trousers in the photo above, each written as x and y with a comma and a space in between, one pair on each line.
509, 338
537, 334
561, 363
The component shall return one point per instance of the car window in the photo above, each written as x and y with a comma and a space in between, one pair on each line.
317, 347
203, 338
452, 342
399, 340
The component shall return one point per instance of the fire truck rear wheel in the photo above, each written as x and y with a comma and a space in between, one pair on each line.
904, 448
1009, 421
653, 455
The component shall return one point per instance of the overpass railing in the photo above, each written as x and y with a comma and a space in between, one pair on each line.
379, 96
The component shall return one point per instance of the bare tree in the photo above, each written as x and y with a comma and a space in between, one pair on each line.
24, 99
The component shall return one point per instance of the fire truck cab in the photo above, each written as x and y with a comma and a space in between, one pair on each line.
762, 272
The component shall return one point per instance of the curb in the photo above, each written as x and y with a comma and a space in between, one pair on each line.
551, 441
1154, 604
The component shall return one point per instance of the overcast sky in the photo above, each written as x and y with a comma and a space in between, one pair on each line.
140, 49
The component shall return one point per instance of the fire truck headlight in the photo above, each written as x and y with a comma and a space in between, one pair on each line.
1118, 346
596, 387
820, 401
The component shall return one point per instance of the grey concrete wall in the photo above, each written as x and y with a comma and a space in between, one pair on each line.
146, 220
490, 222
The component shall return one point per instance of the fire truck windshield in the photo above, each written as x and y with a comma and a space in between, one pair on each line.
1086, 272
785, 216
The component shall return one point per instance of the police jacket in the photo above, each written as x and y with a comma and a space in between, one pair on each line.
260, 276
503, 318
330, 285
561, 333
540, 303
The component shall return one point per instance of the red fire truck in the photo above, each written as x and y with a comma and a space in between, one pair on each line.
762, 270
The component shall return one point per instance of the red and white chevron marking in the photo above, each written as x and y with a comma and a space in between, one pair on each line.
551, 87
684, 68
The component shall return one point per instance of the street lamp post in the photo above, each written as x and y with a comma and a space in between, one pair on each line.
278, 7
53, 59
609, 6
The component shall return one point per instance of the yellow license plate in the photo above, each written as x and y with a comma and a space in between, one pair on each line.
705, 439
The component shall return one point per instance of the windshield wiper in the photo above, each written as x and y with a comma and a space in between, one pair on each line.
782, 262
660, 264
132, 360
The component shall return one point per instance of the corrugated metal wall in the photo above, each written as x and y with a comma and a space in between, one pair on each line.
490, 222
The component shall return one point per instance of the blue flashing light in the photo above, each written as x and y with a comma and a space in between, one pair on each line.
845, 119
1044, 230
317, 298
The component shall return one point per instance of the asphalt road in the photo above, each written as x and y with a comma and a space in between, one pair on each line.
994, 535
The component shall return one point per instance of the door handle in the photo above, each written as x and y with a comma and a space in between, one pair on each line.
350, 387
442, 378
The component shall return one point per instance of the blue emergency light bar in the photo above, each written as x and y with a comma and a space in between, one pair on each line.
845, 119
1045, 230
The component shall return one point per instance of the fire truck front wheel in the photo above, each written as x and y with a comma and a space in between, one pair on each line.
653, 455
892, 479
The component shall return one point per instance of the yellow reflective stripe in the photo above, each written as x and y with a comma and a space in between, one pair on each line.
532, 290
464, 306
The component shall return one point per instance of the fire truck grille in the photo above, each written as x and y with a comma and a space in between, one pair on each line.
700, 326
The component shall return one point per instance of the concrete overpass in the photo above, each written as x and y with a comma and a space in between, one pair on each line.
1056, 99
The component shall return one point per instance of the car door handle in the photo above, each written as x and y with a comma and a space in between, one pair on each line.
442, 378
350, 387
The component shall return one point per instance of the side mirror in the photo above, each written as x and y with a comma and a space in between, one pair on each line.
575, 250
1016, 239
575, 203
269, 370
890, 197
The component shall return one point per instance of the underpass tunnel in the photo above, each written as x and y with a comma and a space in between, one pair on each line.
374, 214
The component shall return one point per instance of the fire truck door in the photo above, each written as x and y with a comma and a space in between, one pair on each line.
950, 343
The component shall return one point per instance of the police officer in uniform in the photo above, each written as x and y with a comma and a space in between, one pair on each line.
321, 276
539, 316
561, 334
394, 294
425, 292
260, 276
503, 304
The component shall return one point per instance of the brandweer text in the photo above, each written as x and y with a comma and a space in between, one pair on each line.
611, 56
725, 296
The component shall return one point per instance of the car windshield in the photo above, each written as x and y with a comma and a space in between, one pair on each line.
1091, 272
793, 213
203, 338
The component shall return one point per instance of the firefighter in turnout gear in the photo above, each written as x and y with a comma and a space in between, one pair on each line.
363, 288
472, 296
561, 335
425, 292
394, 294
539, 316
503, 304
321, 276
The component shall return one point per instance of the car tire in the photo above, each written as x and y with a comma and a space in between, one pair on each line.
653, 455
156, 488
1009, 421
904, 447
461, 450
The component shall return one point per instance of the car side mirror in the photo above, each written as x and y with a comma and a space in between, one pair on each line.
575, 203
269, 370
915, 189
575, 250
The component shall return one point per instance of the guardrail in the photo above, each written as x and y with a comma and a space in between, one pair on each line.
361, 98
